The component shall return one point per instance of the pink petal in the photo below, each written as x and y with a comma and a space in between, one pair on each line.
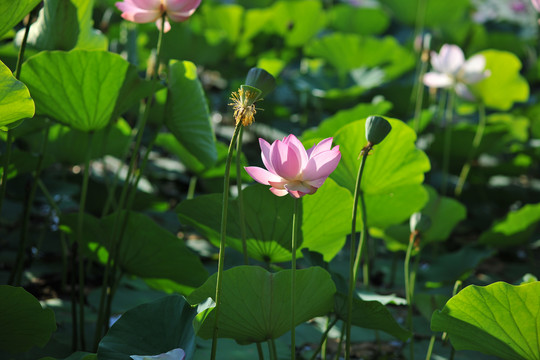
180, 16
438, 80
279, 192
182, 6
278, 184
265, 154
536, 4
133, 13
473, 70
167, 25
450, 59
298, 147
323, 145
146, 4
317, 183
296, 194
322, 165
300, 187
463, 92
285, 160
261, 175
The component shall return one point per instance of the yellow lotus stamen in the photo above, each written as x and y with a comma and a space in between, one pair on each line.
244, 108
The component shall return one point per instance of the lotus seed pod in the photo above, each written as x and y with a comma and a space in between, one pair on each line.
260, 79
419, 222
249, 94
376, 129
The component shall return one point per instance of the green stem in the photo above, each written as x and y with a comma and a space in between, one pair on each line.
420, 91
340, 344
241, 196
474, 151
73, 292
353, 261
272, 349
191, 187
449, 114
323, 338
409, 289
16, 274
430, 347
294, 245
80, 223
221, 258
260, 351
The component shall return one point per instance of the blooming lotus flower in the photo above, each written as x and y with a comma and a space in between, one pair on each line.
175, 354
145, 11
452, 71
293, 170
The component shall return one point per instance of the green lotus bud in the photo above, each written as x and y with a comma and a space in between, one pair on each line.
419, 222
260, 79
376, 129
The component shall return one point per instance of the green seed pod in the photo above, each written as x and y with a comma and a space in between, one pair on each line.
260, 79
249, 94
419, 222
376, 129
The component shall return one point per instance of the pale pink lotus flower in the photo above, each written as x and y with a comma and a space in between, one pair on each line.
293, 170
452, 71
536, 4
145, 11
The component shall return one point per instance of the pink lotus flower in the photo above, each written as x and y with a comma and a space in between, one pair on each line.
291, 169
452, 71
145, 11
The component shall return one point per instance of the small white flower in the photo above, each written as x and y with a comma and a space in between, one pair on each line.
175, 354
452, 71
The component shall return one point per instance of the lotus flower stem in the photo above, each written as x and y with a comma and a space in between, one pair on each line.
354, 261
409, 287
430, 347
260, 351
294, 245
449, 114
272, 349
241, 196
221, 258
80, 223
15, 276
324, 336
474, 151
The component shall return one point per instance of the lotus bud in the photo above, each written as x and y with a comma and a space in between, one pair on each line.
419, 222
376, 129
260, 79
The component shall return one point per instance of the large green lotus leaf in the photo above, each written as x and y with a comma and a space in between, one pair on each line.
298, 20
79, 88
393, 174
437, 12
268, 221
57, 26
187, 116
515, 229
444, 214
222, 21
505, 85
359, 20
370, 315
344, 117
347, 52
12, 12
150, 329
256, 304
89, 38
148, 250
77, 355
326, 219
499, 319
15, 101
24, 322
